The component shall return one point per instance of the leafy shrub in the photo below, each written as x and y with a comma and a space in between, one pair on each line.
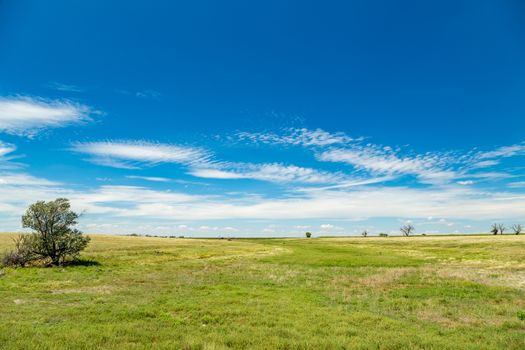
308, 234
53, 240
521, 315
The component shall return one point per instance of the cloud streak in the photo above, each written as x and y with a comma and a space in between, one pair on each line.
136, 154
273, 172
297, 137
27, 116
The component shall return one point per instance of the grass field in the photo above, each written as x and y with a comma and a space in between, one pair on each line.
464, 292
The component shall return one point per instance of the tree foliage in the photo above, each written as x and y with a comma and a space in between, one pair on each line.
54, 239
308, 234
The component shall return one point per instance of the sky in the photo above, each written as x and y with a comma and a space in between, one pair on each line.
264, 118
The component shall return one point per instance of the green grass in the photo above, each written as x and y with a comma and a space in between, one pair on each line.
455, 292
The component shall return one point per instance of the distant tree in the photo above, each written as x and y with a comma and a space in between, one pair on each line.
494, 229
54, 239
407, 229
364, 233
308, 234
517, 229
383, 235
501, 228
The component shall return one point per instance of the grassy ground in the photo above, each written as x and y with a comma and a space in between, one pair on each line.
330, 293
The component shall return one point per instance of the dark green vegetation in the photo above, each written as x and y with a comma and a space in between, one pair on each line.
355, 293
54, 240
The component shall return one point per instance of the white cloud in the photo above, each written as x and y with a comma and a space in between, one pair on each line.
517, 184
301, 136
505, 151
134, 154
5, 149
434, 168
114, 204
148, 93
27, 116
330, 227
23, 179
430, 168
64, 87
6, 157
491, 175
267, 172
485, 163
466, 182
149, 178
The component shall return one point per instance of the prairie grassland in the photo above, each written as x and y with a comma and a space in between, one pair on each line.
464, 292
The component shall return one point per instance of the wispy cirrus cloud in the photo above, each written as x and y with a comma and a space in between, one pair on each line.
149, 178
435, 168
429, 168
135, 154
5, 149
7, 156
504, 152
146, 94
64, 87
273, 172
297, 136
27, 116
17, 179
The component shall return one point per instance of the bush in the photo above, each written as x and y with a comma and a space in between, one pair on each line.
521, 315
22, 254
53, 240
383, 235
308, 234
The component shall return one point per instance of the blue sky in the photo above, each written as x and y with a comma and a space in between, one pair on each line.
269, 118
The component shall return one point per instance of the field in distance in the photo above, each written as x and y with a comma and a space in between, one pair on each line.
456, 292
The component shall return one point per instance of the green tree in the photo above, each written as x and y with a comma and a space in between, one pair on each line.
54, 238
308, 234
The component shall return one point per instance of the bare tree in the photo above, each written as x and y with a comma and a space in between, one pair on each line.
501, 228
364, 233
407, 229
517, 228
494, 229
